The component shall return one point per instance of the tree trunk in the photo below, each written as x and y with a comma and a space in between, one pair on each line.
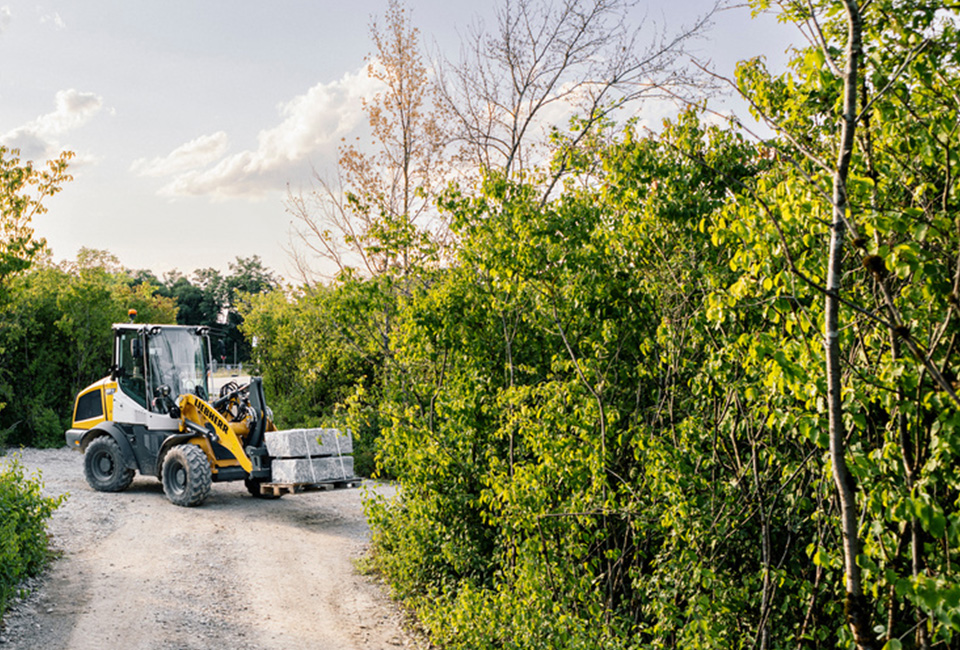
856, 607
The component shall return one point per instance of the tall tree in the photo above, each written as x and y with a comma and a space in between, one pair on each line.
23, 189
842, 117
858, 615
248, 276
378, 216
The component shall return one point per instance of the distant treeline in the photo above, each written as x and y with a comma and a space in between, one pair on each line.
56, 337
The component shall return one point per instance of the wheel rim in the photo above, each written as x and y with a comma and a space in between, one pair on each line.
178, 478
103, 466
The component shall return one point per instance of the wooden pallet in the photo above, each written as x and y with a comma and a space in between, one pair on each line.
279, 489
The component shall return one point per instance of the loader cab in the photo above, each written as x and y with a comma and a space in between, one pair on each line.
155, 364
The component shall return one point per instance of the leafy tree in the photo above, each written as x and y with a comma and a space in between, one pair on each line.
56, 338
310, 369
377, 226
195, 307
537, 419
144, 276
866, 122
247, 277
23, 188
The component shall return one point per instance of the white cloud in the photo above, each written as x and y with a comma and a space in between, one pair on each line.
311, 127
197, 153
54, 19
5, 17
41, 138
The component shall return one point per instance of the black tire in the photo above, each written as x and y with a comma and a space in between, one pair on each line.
186, 475
253, 487
104, 466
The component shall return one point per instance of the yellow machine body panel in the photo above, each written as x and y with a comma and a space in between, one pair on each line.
94, 404
198, 411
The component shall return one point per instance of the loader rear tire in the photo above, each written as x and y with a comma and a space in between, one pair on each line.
104, 467
186, 475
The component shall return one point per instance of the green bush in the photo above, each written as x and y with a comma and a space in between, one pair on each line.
24, 510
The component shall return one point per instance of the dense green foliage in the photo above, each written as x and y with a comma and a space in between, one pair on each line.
23, 535
56, 338
311, 363
607, 412
556, 474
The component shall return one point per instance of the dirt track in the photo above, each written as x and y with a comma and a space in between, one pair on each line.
140, 573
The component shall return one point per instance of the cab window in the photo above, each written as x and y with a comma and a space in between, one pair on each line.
130, 366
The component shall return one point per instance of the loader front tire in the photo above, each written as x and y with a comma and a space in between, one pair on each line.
104, 467
186, 475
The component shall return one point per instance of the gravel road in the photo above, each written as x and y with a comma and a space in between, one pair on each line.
140, 573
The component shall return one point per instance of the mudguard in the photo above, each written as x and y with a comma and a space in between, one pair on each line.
170, 442
116, 432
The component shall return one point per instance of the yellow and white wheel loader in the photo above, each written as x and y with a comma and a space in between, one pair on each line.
153, 415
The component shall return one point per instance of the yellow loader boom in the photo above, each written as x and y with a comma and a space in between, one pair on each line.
194, 410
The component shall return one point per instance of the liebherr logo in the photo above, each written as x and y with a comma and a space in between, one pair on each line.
211, 416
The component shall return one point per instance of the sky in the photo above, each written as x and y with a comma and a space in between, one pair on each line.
192, 119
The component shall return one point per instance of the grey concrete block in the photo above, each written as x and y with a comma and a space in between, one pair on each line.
303, 470
297, 443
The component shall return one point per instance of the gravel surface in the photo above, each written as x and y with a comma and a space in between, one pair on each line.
137, 572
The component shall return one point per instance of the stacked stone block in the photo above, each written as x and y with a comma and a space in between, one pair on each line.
299, 443
312, 470
310, 455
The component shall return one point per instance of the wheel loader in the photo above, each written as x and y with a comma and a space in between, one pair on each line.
154, 415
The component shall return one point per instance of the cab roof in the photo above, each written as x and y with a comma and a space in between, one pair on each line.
199, 330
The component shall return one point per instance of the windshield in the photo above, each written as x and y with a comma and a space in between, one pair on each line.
178, 359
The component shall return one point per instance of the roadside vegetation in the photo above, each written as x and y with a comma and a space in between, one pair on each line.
24, 551
684, 389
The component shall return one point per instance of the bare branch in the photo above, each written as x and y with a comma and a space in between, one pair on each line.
575, 57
